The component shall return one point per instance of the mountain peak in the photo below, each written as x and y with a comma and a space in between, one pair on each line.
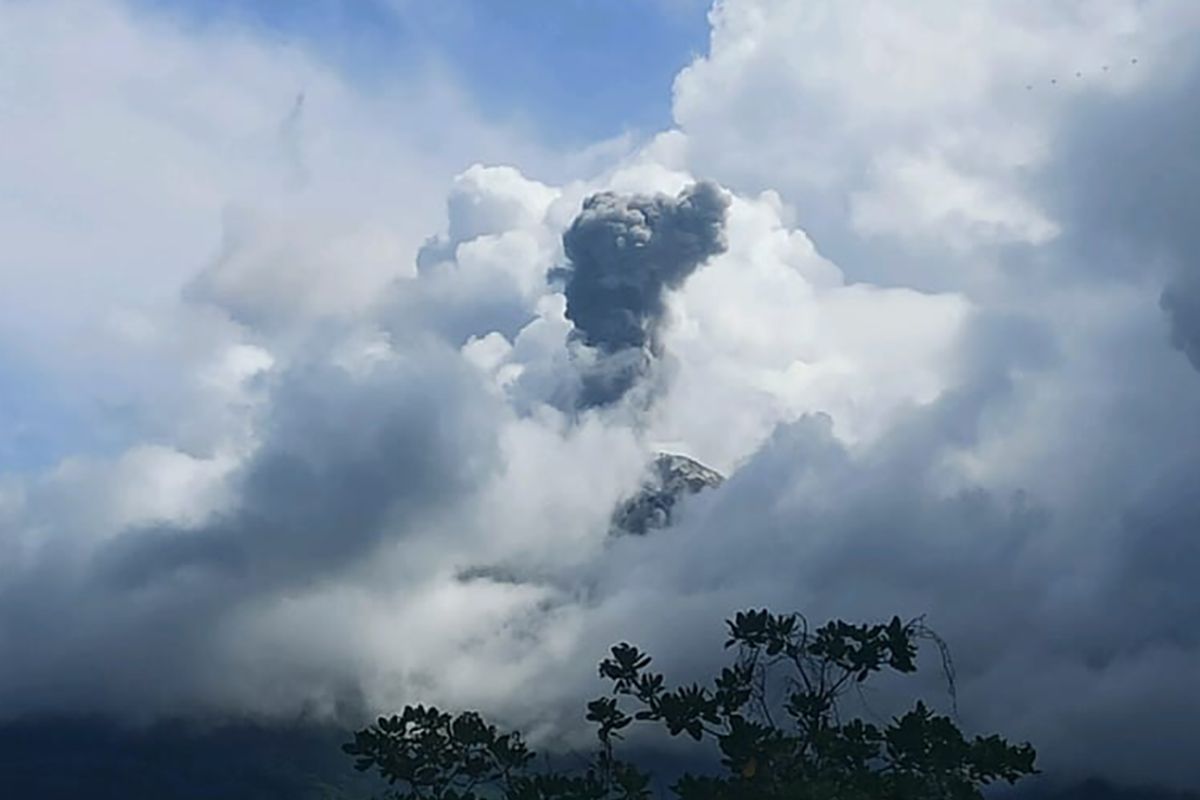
671, 477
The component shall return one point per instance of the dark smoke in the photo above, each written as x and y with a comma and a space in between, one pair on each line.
624, 252
1181, 302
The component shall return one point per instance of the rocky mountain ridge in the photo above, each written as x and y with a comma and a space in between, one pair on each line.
670, 480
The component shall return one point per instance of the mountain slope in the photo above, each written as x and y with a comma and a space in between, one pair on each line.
672, 478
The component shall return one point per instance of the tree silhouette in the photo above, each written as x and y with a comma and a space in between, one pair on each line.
774, 714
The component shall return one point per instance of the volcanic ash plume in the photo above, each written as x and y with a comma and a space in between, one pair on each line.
624, 253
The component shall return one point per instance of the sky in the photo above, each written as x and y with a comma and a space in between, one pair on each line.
517, 59
331, 335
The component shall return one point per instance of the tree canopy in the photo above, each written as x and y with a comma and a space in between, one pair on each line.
775, 713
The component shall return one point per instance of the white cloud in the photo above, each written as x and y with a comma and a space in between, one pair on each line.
133, 144
912, 123
769, 331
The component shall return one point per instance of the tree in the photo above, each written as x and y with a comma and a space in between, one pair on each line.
774, 714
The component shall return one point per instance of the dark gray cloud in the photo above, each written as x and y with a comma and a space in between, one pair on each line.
345, 462
624, 253
1181, 302
1071, 626
1126, 181
351, 458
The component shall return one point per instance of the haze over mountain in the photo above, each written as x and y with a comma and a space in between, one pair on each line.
320, 379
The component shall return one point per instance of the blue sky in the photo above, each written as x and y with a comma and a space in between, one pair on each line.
578, 70
39, 426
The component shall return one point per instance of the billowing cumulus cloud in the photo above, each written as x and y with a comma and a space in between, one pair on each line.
929, 311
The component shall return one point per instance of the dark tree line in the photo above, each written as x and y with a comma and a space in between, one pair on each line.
774, 714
